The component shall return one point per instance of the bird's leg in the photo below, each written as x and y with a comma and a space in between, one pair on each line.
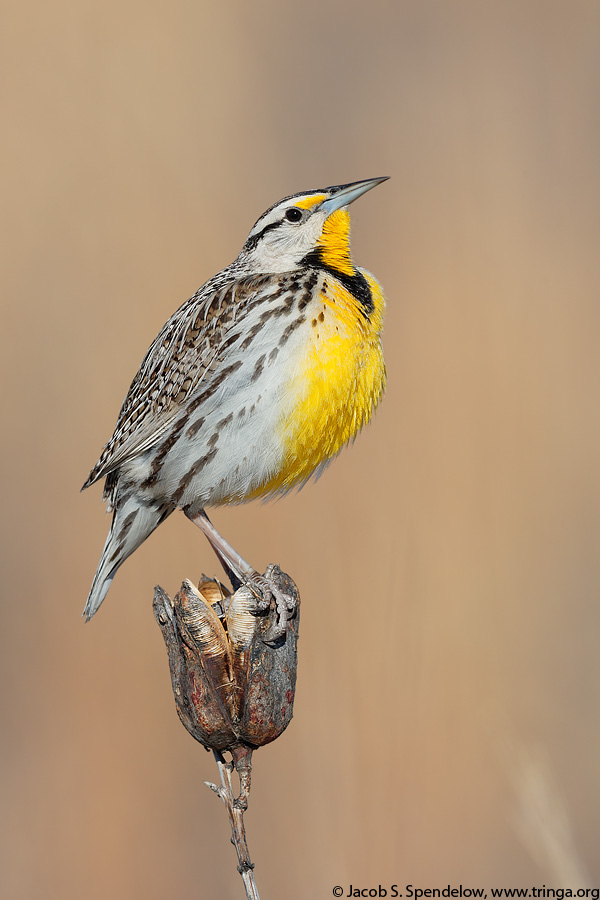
234, 564
228, 556
234, 577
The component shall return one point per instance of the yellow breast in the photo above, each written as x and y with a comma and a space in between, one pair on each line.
337, 385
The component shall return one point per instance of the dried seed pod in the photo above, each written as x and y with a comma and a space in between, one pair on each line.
232, 686
206, 635
241, 630
268, 701
196, 675
214, 593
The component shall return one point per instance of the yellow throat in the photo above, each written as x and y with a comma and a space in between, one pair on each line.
341, 375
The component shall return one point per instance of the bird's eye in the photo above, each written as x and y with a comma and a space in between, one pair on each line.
293, 214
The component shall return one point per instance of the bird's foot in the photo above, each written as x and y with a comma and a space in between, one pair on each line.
266, 590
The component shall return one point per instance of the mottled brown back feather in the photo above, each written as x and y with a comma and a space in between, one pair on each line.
188, 351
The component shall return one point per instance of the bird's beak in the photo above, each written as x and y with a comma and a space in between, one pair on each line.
344, 194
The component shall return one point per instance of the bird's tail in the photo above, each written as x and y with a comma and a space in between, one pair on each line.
132, 523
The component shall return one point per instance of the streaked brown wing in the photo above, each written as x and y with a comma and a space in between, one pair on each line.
188, 352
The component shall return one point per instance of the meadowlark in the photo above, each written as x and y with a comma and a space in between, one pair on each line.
251, 387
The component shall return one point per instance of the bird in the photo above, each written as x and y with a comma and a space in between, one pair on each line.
251, 387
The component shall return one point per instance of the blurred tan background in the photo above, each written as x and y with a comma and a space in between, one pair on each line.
447, 722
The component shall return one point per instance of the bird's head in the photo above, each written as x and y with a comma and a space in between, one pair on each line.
310, 228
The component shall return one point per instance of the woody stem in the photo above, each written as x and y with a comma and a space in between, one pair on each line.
235, 810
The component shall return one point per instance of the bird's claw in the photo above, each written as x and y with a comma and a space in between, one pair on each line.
266, 590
